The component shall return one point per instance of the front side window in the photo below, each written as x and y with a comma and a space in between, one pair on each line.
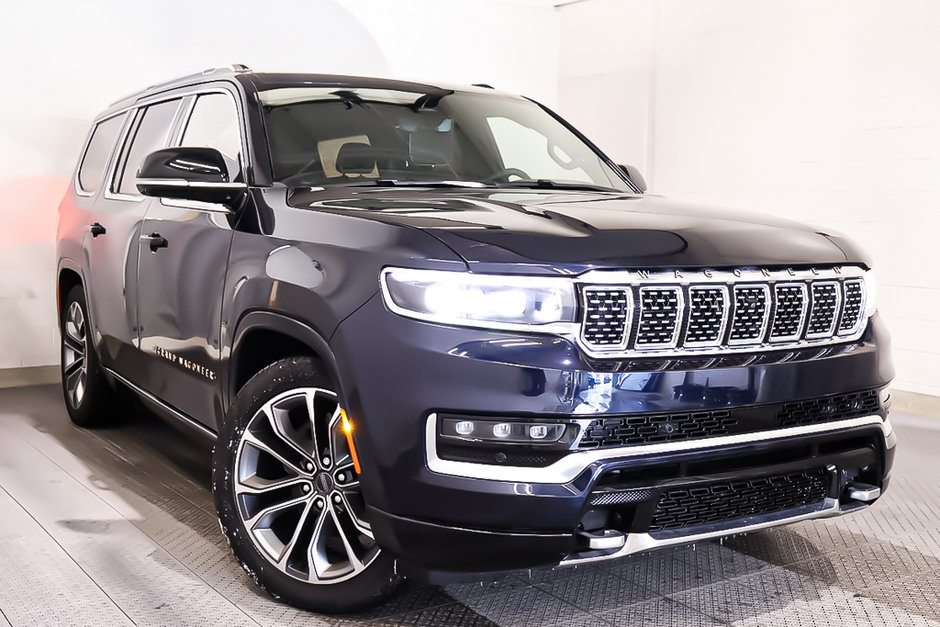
96, 155
333, 135
214, 124
152, 133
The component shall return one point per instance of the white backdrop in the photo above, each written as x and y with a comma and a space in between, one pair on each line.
826, 112
65, 61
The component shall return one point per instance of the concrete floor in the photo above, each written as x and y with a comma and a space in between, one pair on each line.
116, 527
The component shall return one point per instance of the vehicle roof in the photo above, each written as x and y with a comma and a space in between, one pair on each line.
260, 81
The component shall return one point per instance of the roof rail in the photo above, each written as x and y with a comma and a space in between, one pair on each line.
234, 68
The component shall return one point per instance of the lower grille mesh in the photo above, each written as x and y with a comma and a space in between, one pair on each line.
722, 501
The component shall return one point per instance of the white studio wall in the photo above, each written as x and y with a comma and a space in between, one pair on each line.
824, 112
67, 61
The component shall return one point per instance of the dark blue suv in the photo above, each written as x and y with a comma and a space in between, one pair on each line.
437, 333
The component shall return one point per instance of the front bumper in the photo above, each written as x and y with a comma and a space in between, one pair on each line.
444, 515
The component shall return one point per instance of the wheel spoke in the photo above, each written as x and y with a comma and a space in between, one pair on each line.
317, 562
257, 485
350, 511
252, 440
292, 543
75, 383
279, 419
273, 509
346, 528
77, 363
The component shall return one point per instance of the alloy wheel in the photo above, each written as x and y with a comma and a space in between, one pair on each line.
75, 345
297, 490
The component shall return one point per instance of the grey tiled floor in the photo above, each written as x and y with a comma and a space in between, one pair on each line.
117, 527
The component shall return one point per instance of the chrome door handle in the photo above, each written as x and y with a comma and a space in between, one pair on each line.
156, 240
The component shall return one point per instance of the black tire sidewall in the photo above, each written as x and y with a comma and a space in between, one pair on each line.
369, 588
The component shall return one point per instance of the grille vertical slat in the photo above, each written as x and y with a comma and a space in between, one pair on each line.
852, 307
824, 305
750, 314
790, 304
707, 307
606, 319
659, 316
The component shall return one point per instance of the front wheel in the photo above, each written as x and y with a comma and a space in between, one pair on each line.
288, 495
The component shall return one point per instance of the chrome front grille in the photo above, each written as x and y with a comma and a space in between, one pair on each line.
669, 313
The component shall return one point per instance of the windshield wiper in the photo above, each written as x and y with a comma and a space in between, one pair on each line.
550, 184
400, 183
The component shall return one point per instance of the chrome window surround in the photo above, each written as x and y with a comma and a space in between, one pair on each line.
804, 311
572, 465
118, 141
623, 279
628, 321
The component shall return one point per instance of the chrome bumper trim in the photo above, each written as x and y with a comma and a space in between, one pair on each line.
570, 466
640, 542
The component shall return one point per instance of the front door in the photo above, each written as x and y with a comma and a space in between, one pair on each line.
183, 255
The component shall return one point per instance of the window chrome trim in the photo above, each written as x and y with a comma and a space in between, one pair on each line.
572, 465
118, 141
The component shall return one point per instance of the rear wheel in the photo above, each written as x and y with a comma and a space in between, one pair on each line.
288, 494
87, 394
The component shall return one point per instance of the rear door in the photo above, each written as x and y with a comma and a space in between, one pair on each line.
111, 243
183, 254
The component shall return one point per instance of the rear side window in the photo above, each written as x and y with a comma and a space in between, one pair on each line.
152, 134
96, 155
214, 124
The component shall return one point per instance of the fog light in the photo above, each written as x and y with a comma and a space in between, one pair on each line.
538, 432
508, 431
502, 429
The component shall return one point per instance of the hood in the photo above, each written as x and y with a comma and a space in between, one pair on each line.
569, 230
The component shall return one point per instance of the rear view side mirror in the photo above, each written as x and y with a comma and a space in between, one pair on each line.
188, 173
634, 175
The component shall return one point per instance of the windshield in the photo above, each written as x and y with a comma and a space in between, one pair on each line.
331, 135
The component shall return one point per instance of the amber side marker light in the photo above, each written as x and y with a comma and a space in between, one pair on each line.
348, 429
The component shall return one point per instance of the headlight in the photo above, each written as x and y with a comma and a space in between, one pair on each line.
871, 294
481, 300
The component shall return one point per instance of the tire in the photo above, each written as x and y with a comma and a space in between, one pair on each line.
288, 496
88, 397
